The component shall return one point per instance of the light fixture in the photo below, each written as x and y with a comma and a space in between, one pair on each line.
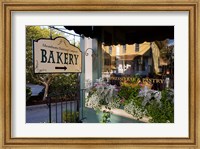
94, 55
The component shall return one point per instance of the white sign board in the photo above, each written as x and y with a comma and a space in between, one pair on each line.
56, 56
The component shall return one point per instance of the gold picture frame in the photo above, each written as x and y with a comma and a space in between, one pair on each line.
7, 7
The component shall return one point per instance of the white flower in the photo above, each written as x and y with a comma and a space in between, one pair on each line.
88, 84
148, 94
100, 80
111, 89
132, 109
143, 91
101, 92
146, 99
93, 101
100, 88
157, 96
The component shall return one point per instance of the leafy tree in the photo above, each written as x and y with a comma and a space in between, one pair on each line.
64, 84
34, 33
53, 83
165, 50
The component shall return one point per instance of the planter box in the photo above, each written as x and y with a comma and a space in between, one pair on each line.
118, 116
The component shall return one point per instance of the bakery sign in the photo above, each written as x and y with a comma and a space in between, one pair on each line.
55, 56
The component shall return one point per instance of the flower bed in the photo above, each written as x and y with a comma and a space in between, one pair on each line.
137, 100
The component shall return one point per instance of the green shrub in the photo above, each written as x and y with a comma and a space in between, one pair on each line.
134, 106
105, 117
160, 110
163, 112
28, 93
126, 93
64, 84
70, 117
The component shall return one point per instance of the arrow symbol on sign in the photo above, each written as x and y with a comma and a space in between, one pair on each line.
61, 67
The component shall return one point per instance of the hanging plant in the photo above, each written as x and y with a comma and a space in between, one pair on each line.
102, 95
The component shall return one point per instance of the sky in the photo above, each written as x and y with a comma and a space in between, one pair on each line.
68, 36
170, 42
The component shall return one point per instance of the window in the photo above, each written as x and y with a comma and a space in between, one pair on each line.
137, 47
107, 62
124, 48
110, 49
129, 63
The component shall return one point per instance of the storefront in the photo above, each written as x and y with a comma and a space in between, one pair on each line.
123, 58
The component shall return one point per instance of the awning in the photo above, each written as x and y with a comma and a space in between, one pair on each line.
113, 35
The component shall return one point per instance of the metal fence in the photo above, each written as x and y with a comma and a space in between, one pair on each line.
63, 111
64, 108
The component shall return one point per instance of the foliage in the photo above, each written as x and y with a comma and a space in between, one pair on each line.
131, 102
56, 82
70, 117
126, 91
137, 101
28, 93
134, 107
34, 33
166, 53
148, 94
106, 117
165, 50
158, 106
64, 84
164, 111
101, 94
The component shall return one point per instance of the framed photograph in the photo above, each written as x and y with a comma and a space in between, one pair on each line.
117, 74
